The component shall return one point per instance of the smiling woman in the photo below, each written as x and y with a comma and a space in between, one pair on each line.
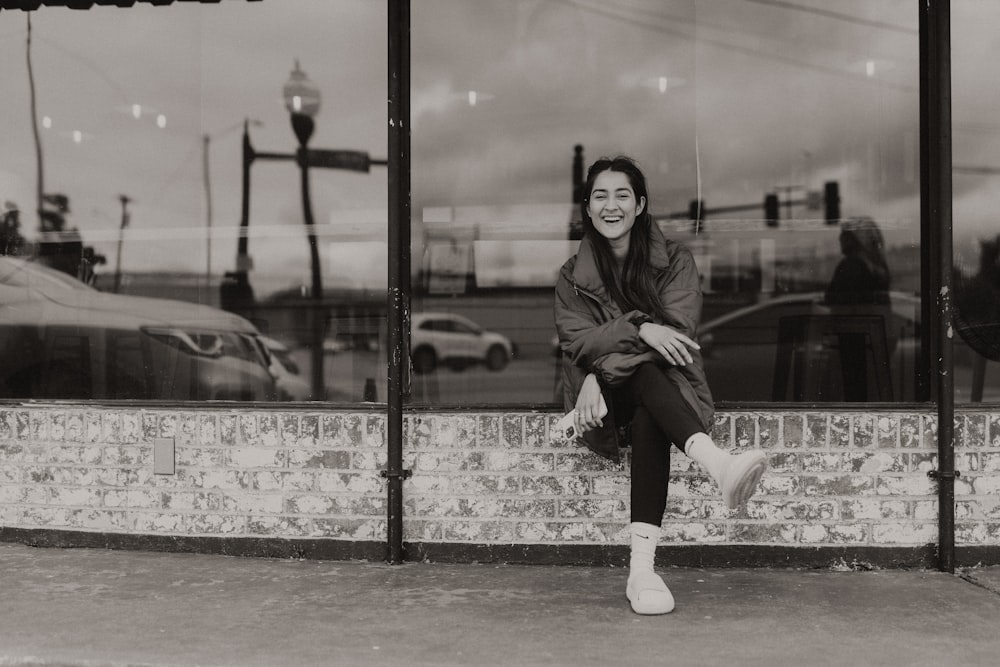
626, 309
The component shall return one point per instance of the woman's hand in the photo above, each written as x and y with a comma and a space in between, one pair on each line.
672, 344
588, 405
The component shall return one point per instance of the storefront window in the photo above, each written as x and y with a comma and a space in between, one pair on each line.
128, 269
781, 144
975, 179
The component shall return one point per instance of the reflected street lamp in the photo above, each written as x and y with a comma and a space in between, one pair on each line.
302, 99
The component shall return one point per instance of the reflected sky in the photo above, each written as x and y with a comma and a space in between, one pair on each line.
727, 99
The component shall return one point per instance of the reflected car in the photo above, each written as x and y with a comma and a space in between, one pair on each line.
744, 359
287, 374
447, 339
62, 339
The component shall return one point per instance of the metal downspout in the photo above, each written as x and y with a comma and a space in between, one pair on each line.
936, 214
399, 267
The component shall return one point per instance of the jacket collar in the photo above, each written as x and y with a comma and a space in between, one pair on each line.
587, 277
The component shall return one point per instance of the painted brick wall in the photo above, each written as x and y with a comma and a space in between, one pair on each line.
486, 478
277, 474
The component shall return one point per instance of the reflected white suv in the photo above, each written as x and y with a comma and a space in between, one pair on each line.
456, 341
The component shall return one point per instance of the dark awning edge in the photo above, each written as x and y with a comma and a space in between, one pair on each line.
32, 5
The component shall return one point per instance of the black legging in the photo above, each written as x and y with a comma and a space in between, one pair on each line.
660, 416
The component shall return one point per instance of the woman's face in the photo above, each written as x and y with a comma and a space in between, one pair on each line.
613, 207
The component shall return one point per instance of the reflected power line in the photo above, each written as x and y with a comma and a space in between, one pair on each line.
848, 18
634, 20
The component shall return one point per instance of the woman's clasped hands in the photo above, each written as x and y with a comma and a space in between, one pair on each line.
672, 344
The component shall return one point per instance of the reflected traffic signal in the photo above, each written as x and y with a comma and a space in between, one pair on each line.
831, 202
696, 214
771, 210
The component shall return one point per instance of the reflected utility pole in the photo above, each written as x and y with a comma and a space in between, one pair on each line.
206, 149
121, 234
205, 141
40, 183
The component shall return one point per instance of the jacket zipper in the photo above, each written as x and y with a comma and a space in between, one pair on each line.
592, 297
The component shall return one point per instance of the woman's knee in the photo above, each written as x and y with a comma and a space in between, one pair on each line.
651, 379
650, 372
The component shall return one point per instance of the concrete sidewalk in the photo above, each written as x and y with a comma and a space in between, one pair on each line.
92, 607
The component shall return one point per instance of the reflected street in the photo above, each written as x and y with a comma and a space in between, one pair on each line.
531, 380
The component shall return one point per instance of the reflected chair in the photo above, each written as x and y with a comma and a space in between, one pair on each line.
807, 346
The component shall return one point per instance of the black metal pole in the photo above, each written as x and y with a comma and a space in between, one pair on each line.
121, 237
39, 167
398, 301
303, 126
242, 243
206, 144
577, 175
936, 243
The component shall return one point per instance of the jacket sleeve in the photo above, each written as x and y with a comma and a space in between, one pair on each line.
680, 293
584, 339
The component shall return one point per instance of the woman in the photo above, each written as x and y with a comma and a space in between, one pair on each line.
627, 306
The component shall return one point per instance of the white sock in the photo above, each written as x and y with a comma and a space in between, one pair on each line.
701, 448
645, 537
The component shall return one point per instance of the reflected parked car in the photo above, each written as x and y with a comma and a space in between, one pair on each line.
743, 356
287, 374
456, 341
62, 339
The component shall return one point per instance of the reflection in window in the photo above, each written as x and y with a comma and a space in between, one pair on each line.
767, 132
762, 127
976, 155
129, 367
119, 286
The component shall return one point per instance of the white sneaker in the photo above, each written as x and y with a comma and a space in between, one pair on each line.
647, 594
739, 480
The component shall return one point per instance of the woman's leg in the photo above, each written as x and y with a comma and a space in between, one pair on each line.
650, 387
650, 473
736, 475
650, 468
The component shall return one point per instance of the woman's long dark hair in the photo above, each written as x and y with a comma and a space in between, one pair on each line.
635, 288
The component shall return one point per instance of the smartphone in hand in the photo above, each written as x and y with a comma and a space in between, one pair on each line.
565, 428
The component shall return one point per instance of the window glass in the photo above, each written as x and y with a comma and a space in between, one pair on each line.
976, 176
124, 218
128, 367
780, 142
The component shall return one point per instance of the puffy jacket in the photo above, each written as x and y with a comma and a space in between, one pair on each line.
595, 336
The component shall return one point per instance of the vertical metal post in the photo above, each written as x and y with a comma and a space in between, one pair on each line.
39, 167
206, 142
304, 126
235, 293
399, 265
242, 243
577, 175
121, 237
936, 247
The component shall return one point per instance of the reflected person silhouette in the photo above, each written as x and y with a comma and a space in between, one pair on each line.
977, 311
860, 284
